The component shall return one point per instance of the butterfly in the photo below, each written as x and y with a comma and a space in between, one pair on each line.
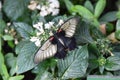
58, 44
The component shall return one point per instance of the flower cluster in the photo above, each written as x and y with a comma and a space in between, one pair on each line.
43, 31
50, 7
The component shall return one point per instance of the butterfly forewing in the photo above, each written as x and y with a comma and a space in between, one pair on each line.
70, 26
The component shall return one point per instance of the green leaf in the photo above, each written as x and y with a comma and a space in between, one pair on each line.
11, 44
69, 5
82, 34
118, 25
44, 76
11, 63
2, 27
3, 68
44, 65
112, 63
19, 77
101, 69
109, 28
108, 17
1, 15
20, 46
25, 57
118, 14
75, 64
117, 34
4, 72
10, 59
99, 7
89, 5
23, 29
7, 37
15, 8
37, 19
56, 19
84, 12
1, 59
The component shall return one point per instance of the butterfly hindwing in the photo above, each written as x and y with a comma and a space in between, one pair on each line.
47, 50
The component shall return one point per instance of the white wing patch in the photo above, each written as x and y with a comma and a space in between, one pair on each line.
70, 26
46, 51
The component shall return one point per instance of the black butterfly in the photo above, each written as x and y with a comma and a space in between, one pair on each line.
58, 44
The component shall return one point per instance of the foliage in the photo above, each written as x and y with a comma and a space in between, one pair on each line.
26, 24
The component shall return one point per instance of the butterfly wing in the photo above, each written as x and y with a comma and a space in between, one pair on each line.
47, 50
70, 26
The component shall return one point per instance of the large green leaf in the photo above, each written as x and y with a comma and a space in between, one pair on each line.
99, 7
24, 29
25, 58
20, 46
84, 12
15, 8
82, 34
110, 16
112, 63
75, 64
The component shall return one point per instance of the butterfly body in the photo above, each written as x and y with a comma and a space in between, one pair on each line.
63, 43
58, 44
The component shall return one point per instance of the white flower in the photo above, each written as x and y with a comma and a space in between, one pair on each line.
49, 25
60, 22
55, 12
54, 4
38, 7
33, 39
50, 10
40, 23
32, 5
36, 40
38, 33
16, 41
51, 7
6, 30
43, 8
44, 13
39, 26
51, 33
38, 43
